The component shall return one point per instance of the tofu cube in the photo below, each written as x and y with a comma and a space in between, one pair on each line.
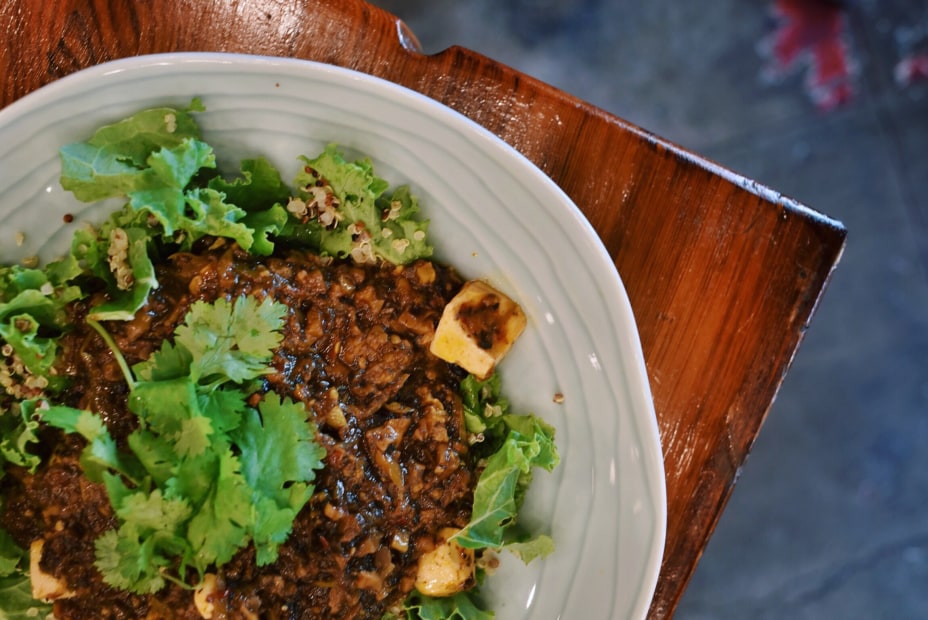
477, 328
45, 587
203, 595
446, 569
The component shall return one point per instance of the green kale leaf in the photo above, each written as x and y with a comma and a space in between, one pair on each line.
18, 428
32, 313
343, 211
16, 602
514, 446
460, 606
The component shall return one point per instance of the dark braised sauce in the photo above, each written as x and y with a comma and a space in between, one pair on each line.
355, 350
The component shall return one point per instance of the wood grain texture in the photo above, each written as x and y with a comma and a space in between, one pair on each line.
723, 276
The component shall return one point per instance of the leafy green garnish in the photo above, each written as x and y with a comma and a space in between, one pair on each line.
118, 159
16, 600
126, 299
276, 450
460, 606
205, 473
221, 340
32, 314
500, 488
11, 556
258, 186
156, 160
365, 224
151, 159
261, 193
515, 445
484, 411
18, 427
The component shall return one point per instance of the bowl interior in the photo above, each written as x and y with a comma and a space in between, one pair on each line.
493, 215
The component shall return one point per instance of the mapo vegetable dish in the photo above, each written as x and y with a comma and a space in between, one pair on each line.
241, 398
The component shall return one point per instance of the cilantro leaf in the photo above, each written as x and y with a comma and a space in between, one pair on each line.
101, 453
234, 342
155, 453
123, 563
163, 406
133, 556
153, 527
208, 473
277, 448
130, 561
153, 512
221, 525
193, 478
225, 408
168, 362
194, 437
279, 457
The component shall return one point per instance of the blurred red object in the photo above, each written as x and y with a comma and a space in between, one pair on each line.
813, 32
912, 68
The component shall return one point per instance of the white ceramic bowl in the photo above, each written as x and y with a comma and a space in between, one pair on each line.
494, 215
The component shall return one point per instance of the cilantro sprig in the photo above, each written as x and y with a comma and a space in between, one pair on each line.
205, 473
